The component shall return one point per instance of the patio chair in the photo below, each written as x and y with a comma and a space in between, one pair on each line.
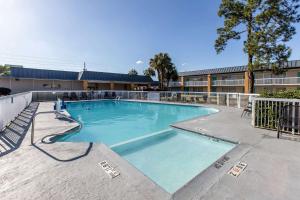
289, 119
113, 95
247, 110
73, 96
106, 95
205, 97
66, 96
84, 95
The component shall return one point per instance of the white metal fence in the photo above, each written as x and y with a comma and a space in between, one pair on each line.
266, 113
218, 98
11, 106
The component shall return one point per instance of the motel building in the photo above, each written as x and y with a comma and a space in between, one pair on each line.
235, 79
29, 79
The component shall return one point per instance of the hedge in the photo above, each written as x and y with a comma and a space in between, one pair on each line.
283, 94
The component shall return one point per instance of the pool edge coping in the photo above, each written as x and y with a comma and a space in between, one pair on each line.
199, 175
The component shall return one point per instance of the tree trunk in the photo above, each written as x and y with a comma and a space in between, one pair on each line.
161, 81
252, 80
250, 54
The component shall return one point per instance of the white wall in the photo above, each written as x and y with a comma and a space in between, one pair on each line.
24, 85
11, 106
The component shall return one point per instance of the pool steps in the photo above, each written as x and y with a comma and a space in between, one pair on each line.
141, 138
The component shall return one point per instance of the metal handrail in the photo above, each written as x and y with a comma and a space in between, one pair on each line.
49, 112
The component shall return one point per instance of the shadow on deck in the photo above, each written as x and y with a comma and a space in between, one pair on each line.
12, 136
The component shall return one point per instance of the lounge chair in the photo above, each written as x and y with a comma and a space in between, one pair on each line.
106, 96
84, 96
66, 96
73, 96
247, 110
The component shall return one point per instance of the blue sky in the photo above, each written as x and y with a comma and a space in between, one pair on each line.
115, 35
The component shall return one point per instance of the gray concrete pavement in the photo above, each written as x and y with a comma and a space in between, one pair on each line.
70, 170
273, 165
46, 172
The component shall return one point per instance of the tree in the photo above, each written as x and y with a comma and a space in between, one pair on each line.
171, 74
267, 24
149, 72
132, 72
162, 64
4, 70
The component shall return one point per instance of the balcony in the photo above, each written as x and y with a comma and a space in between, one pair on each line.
175, 84
278, 81
233, 82
195, 83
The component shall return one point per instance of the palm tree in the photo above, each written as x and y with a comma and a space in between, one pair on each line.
132, 72
149, 72
171, 74
162, 64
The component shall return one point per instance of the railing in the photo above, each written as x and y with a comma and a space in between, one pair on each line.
175, 84
278, 81
50, 112
234, 82
195, 83
11, 106
226, 99
266, 112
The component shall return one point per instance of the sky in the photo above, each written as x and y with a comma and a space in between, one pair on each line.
115, 35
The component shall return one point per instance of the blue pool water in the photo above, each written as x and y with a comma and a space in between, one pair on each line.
112, 122
140, 133
173, 157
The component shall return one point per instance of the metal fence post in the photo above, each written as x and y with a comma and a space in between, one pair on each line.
32, 130
253, 112
293, 117
239, 100
227, 96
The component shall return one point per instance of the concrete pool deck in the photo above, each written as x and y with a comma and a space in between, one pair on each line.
71, 170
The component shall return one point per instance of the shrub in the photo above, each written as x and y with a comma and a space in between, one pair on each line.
283, 94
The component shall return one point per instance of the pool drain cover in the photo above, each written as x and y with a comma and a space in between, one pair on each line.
112, 172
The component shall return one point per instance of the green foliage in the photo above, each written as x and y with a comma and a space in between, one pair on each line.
4, 70
268, 25
149, 72
171, 74
266, 115
132, 72
284, 94
166, 70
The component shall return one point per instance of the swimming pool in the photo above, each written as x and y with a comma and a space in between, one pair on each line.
111, 122
140, 132
173, 157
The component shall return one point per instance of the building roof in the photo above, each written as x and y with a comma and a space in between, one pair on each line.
20, 72
105, 76
224, 70
31, 73
155, 83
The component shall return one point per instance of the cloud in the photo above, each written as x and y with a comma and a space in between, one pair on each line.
183, 64
139, 62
